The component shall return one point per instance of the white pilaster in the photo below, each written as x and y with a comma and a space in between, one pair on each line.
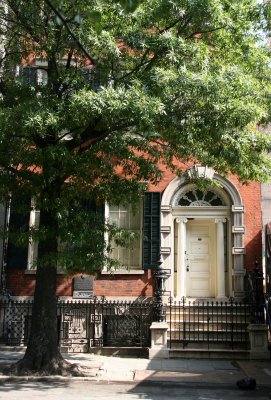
220, 257
181, 251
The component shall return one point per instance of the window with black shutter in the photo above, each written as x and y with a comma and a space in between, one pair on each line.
151, 230
34, 76
29, 75
17, 256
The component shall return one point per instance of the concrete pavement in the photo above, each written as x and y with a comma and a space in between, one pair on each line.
131, 369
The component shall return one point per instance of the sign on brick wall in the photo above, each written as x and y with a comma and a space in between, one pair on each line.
83, 287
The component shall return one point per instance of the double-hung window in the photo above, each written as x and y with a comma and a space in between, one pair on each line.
127, 218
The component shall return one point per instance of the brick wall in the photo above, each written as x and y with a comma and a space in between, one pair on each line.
251, 196
141, 285
23, 284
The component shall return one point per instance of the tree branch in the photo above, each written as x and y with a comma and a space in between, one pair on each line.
207, 31
77, 41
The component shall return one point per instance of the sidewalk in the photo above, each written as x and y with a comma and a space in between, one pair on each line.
131, 369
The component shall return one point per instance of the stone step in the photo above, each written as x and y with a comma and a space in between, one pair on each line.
200, 353
208, 339
218, 345
191, 312
211, 322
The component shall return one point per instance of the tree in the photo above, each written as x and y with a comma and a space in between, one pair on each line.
129, 85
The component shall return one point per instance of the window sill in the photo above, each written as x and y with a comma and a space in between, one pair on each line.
118, 272
30, 272
34, 271
124, 272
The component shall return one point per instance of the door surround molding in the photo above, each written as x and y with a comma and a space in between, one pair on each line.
233, 212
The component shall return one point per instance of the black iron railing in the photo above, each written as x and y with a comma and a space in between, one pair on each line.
83, 324
255, 295
208, 323
267, 310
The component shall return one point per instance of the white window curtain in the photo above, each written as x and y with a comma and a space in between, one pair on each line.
126, 218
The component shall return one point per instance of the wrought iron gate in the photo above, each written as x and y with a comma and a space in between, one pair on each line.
84, 324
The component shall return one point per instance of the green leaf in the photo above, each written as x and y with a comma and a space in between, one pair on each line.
95, 16
129, 6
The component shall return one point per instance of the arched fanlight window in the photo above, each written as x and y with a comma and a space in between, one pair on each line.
199, 198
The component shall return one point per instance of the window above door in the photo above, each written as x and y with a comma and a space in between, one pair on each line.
190, 196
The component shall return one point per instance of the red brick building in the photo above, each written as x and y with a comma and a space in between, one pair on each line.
207, 241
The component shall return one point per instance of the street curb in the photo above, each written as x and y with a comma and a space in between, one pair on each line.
149, 382
50, 379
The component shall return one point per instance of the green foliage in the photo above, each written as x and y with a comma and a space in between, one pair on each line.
130, 84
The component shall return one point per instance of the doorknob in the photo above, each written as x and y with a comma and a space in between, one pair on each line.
187, 268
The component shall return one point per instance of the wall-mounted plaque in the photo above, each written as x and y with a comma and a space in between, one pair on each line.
83, 287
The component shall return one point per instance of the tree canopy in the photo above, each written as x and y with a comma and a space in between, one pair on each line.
95, 94
123, 84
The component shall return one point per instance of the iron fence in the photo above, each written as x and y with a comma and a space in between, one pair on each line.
83, 324
208, 323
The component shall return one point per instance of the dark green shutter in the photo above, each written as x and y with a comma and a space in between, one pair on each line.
17, 256
151, 230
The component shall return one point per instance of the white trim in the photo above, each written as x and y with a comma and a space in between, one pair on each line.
238, 229
220, 258
238, 250
240, 208
166, 209
165, 250
233, 212
124, 272
165, 229
201, 212
125, 269
181, 256
189, 187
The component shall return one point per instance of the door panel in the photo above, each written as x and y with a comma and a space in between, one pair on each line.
200, 280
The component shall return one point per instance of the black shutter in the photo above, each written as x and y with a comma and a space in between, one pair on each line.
17, 256
93, 206
151, 230
29, 75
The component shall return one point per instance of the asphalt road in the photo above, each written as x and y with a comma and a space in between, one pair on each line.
125, 391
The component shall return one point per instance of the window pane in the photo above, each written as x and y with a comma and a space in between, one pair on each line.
125, 218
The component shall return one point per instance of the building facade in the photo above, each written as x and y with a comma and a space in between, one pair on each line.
205, 239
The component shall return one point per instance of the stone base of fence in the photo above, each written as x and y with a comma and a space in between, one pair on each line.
258, 337
159, 340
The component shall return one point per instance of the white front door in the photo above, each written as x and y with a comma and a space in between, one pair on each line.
200, 258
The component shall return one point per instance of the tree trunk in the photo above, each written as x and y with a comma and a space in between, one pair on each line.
42, 354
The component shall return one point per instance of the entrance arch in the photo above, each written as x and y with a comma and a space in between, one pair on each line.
202, 239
